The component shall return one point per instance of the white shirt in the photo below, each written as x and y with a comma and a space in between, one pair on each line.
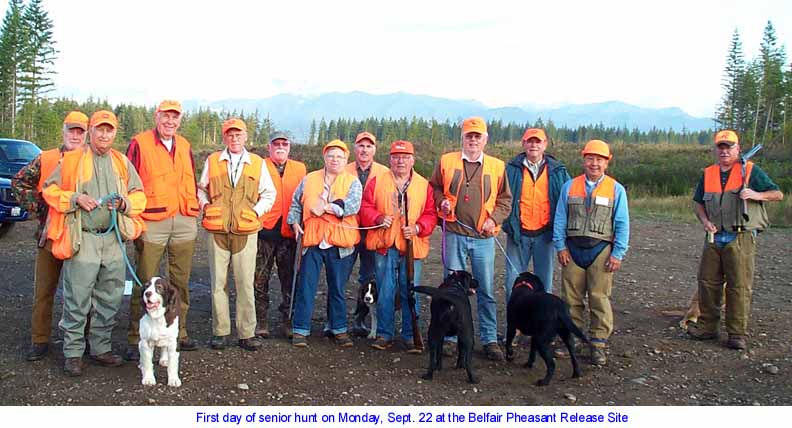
168, 144
480, 158
266, 188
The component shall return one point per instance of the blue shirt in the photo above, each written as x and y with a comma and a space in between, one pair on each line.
621, 218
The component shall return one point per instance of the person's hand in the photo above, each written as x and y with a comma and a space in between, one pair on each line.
318, 209
86, 202
410, 232
298, 231
445, 206
613, 264
115, 204
387, 221
489, 227
564, 257
751, 194
328, 208
709, 227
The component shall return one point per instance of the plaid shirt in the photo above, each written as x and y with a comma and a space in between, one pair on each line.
24, 186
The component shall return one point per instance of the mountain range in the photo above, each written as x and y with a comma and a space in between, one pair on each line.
294, 113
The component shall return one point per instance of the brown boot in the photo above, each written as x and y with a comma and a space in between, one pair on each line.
73, 367
262, 329
286, 328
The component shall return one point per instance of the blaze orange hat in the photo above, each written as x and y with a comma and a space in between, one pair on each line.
337, 144
366, 135
170, 105
597, 147
234, 123
534, 133
103, 116
76, 119
474, 124
726, 136
400, 146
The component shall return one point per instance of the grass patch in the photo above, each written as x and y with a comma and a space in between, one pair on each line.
680, 208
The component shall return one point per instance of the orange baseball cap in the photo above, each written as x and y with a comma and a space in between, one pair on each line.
534, 133
337, 144
76, 119
597, 147
404, 147
234, 123
726, 136
170, 105
474, 124
104, 116
366, 135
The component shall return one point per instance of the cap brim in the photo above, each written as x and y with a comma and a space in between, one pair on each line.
105, 122
76, 125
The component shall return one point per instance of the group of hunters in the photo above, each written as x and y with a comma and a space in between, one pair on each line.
260, 212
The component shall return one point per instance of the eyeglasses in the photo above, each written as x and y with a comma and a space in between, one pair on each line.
279, 144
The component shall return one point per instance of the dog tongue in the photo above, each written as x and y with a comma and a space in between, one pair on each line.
152, 305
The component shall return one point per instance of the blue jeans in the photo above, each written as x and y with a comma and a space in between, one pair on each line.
337, 273
390, 267
481, 252
543, 254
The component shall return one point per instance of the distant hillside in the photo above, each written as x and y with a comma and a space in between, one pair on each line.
295, 113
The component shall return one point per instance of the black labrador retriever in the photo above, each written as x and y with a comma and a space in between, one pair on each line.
451, 316
542, 316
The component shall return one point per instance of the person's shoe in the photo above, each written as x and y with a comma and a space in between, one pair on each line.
37, 351
262, 333
449, 349
737, 342
381, 343
598, 357
698, 333
250, 344
132, 353
561, 352
73, 367
218, 342
343, 340
108, 359
286, 330
188, 344
299, 341
493, 351
411, 348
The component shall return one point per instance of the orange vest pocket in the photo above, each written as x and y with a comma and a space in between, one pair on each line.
213, 218
248, 221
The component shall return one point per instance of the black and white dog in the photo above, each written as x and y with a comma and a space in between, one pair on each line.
159, 328
366, 304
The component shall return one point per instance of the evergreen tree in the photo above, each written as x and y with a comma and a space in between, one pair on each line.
12, 47
312, 133
735, 64
772, 60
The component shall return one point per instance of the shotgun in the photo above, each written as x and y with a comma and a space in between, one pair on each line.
296, 271
743, 159
417, 339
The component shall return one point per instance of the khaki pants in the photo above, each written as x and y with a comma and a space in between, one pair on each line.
243, 263
45, 283
595, 283
176, 235
733, 264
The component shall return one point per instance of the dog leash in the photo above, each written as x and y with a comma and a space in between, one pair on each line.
443, 245
114, 227
500, 246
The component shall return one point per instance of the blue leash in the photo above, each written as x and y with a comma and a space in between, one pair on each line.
114, 228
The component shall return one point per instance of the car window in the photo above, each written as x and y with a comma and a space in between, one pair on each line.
17, 151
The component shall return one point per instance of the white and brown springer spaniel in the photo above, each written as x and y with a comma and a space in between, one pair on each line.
159, 328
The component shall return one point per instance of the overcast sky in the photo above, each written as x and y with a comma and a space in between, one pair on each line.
652, 54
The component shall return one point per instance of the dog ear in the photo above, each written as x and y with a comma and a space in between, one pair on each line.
142, 299
173, 306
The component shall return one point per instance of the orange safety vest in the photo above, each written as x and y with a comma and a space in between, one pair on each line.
492, 175
375, 170
596, 221
340, 232
724, 206
169, 183
49, 161
285, 186
77, 168
386, 202
534, 201
230, 208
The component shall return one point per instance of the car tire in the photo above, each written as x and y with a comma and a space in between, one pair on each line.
5, 228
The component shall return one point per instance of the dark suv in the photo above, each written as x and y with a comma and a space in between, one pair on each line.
14, 154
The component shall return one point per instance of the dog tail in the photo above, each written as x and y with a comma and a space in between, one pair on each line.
438, 293
566, 318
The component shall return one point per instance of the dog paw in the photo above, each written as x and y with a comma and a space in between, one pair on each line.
509, 356
372, 336
473, 380
149, 380
528, 365
543, 382
163, 362
176, 382
427, 376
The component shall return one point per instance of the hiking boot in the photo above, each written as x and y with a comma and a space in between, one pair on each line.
37, 351
493, 351
598, 357
108, 359
286, 330
188, 344
698, 333
250, 344
73, 367
411, 348
218, 342
299, 341
449, 349
381, 343
262, 329
132, 353
343, 340
737, 342
561, 351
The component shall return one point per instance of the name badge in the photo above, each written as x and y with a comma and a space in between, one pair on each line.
601, 200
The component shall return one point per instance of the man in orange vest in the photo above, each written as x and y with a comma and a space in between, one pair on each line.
591, 232
276, 244
473, 195
326, 203
383, 203
728, 257
234, 192
164, 161
27, 185
81, 223
365, 169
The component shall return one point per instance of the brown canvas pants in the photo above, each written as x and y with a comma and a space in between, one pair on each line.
593, 284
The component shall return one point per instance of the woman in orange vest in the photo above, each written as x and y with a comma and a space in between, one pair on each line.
326, 203
383, 205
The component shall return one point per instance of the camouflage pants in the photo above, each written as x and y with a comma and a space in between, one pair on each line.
281, 254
